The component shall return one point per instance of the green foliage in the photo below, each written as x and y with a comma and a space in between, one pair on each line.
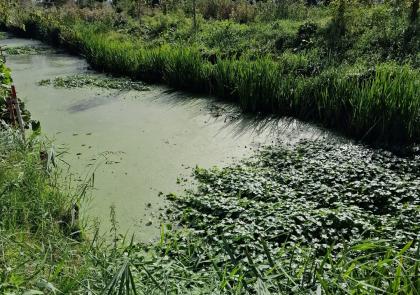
284, 9
24, 50
336, 30
316, 194
300, 218
246, 232
322, 217
5, 81
216, 9
5, 78
240, 11
31, 204
414, 11
371, 102
77, 81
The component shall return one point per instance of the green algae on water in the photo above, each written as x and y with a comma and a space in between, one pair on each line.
86, 80
25, 50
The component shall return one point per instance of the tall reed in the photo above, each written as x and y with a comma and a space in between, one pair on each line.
380, 104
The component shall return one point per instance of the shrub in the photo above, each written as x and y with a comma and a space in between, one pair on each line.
243, 12
338, 26
216, 9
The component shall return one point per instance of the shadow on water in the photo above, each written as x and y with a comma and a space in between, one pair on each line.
285, 129
234, 120
90, 103
281, 129
151, 137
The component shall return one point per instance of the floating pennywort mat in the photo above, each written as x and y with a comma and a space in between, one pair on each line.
85, 80
25, 50
315, 194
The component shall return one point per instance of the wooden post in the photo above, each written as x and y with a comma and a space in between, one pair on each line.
15, 103
11, 109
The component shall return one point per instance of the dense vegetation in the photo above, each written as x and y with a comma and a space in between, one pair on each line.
5, 80
240, 235
235, 234
317, 193
351, 66
80, 80
325, 217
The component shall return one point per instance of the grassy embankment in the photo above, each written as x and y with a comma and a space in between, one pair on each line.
288, 221
42, 250
352, 67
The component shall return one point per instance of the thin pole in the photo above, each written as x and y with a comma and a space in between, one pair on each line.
15, 101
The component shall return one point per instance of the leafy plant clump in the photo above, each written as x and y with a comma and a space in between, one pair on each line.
299, 218
5, 81
316, 194
77, 81
25, 50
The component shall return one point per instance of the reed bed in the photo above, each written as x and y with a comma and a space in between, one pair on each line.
382, 107
379, 103
221, 238
268, 225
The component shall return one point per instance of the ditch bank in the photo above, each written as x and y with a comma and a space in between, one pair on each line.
318, 216
136, 142
379, 104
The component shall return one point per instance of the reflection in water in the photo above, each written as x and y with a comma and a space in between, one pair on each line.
138, 143
88, 104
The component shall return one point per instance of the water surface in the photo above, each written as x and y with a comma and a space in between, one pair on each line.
138, 142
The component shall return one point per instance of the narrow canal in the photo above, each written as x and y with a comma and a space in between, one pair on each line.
137, 143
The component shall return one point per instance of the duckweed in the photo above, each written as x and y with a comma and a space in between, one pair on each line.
85, 80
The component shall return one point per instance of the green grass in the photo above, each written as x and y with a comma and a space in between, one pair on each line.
383, 106
39, 256
327, 218
349, 86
